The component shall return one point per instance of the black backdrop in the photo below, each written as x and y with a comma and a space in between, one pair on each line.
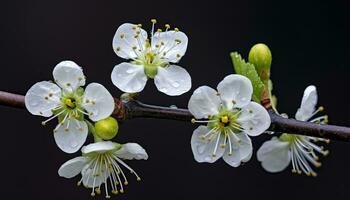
309, 43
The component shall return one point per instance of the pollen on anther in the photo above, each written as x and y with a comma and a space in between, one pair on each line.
121, 191
193, 120
159, 30
167, 26
153, 21
126, 183
176, 29
115, 192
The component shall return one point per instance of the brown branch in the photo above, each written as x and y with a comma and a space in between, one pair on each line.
136, 109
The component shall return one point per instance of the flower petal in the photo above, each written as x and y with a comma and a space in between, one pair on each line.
173, 80
172, 44
72, 167
124, 41
254, 119
99, 147
129, 78
308, 103
42, 97
131, 151
203, 149
274, 155
241, 150
98, 102
71, 135
235, 90
68, 75
203, 102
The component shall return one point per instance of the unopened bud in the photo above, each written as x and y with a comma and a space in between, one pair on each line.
107, 128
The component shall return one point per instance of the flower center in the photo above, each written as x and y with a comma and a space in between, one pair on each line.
225, 120
70, 103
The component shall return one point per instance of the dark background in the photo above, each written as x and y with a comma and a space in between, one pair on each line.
309, 43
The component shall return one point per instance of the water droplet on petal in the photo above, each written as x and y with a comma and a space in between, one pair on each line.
129, 71
73, 144
175, 84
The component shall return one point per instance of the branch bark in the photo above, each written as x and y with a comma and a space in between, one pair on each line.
136, 109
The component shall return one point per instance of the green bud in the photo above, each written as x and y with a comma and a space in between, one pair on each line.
260, 56
107, 128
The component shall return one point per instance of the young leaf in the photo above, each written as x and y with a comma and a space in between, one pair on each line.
248, 70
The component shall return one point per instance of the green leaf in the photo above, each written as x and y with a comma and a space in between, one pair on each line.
248, 70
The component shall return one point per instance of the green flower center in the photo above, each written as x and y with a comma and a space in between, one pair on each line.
226, 121
70, 103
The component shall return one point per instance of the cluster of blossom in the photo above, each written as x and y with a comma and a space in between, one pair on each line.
228, 114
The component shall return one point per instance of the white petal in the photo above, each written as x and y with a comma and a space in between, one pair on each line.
131, 151
173, 80
72, 167
203, 102
129, 78
274, 155
203, 149
98, 102
254, 118
42, 97
172, 44
99, 147
308, 103
235, 90
91, 179
72, 138
68, 75
124, 40
241, 150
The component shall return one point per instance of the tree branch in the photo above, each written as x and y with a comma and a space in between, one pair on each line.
136, 109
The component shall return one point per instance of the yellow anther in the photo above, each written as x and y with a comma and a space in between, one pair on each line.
299, 172
316, 158
326, 119
115, 192
159, 30
213, 154
157, 45
294, 171
326, 153
108, 197
126, 182
327, 141
318, 164
313, 174
41, 113
121, 191
98, 190
50, 94
321, 108
66, 129
139, 25
46, 98
222, 145
122, 35
176, 29
193, 120
224, 119
233, 101
134, 47
250, 111
138, 179
161, 43
134, 27
178, 41
153, 21
230, 154
138, 32
93, 194
78, 183
43, 123
167, 26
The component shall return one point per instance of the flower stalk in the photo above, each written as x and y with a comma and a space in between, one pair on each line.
136, 109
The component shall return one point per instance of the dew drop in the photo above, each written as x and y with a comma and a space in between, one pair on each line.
175, 84
73, 144
129, 71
